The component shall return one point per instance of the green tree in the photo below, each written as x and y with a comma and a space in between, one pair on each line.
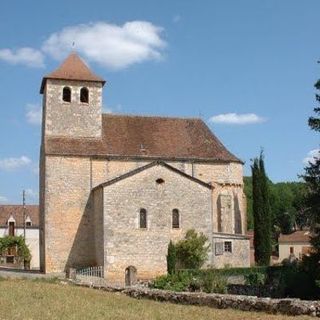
312, 179
261, 212
192, 251
171, 258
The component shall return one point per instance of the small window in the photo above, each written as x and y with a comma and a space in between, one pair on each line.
143, 219
175, 219
160, 181
66, 94
291, 250
11, 228
84, 95
228, 246
28, 224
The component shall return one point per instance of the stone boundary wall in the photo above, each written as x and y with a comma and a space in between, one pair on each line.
291, 307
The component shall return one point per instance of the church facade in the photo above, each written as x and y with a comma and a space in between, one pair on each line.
115, 189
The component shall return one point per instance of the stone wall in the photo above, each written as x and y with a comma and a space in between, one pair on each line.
72, 119
126, 244
67, 208
240, 255
68, 214
290, 307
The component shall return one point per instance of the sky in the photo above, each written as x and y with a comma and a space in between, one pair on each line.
246, 67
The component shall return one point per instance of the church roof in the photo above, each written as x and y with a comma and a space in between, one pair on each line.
17, 213
72, 68
150, 165
144, 137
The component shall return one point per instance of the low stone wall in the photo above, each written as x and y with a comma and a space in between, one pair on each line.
292, 307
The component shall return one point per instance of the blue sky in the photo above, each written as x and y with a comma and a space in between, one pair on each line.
246, 67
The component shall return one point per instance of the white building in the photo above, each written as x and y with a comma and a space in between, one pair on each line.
12, 223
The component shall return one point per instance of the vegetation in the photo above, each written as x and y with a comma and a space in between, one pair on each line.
186, 280
261, 212
312, 179
171, 258
7, 242
24, 299
192, 251
286, 202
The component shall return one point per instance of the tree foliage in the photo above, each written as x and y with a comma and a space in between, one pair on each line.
261, 212
286, 202
192, 251
171, 258
9, 241
312, 199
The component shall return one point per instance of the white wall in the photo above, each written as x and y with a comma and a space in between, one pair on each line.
284, 249
32, 241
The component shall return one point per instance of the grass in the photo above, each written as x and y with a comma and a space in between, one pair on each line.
27, 299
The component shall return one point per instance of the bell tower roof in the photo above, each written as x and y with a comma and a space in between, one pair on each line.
72, 68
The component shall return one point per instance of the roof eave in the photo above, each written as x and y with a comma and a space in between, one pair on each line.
44, 80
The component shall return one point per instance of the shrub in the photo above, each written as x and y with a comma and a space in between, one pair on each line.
255, 278
192, 251
171, 258
213, 282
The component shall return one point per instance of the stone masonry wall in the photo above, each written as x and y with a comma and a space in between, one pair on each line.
98, 226
68, 214
145, 249
73, 118
240, 255
69, 207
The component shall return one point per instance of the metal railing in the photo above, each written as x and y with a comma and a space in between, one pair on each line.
91, 275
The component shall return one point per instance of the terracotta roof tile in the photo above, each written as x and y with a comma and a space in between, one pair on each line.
146, 137
17, 212
297, 236
73, 68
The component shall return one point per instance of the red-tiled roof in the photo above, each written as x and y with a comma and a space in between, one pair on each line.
297, 236
73, 68
17, 213
146, 137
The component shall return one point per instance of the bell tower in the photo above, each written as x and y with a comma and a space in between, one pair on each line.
72, 101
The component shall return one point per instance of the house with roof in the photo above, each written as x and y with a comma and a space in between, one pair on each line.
294, 245
115, 189
16, 220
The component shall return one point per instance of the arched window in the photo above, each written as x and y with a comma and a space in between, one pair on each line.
175, 219
143, 218
84, 95
66, 94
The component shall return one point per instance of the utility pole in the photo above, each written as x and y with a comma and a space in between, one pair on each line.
24, 213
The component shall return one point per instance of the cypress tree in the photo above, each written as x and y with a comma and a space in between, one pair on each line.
261, 212
171, 258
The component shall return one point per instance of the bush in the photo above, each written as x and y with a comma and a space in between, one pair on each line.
255, 279
186, 281
213, 282
192, 251
171, 258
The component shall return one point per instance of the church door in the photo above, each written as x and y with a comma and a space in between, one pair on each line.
130, 276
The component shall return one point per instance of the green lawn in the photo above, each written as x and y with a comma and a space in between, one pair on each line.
27, 299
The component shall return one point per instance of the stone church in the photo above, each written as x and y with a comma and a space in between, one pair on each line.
115, 189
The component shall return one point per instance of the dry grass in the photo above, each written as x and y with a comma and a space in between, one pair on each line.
26, 299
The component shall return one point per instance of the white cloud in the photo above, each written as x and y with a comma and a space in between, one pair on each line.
31, 193
9, 164
3, 199
312, 156
234, 118
110, 45
33, 114
25, 56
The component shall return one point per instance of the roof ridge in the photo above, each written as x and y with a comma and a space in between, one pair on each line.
149, 116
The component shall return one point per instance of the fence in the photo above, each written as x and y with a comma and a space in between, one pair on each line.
91, 275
